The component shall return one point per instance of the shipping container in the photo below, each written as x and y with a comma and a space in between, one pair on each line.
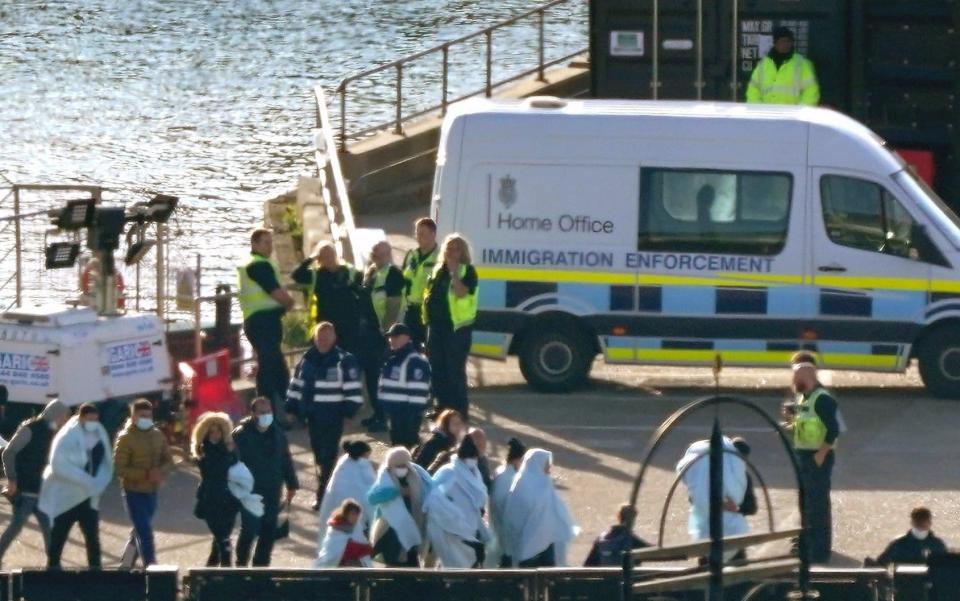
889, 63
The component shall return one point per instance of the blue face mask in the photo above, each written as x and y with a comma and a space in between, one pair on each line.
265, 420
144, 423
90, 427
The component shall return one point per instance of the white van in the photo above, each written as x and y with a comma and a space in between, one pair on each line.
672, 232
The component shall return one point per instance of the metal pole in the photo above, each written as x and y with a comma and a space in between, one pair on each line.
160, 271
343, 118
700, 83
489, 87
443, 97
716, 513
136, 303
398, 127
655, 82
540, 47
734, 58
19, 245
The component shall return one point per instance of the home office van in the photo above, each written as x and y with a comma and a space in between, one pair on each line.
669, 233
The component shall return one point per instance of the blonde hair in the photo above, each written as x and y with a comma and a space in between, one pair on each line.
456, 238
208, 420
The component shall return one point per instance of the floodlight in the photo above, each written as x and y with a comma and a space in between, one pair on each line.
161, 207
62, 254
138, 250
77, 215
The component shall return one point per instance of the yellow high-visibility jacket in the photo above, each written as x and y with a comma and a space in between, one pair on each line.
795, 82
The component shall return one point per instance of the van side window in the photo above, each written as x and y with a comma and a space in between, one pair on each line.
735, 212
862, 214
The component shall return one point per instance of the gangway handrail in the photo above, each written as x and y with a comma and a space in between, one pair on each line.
444, 48
333, 186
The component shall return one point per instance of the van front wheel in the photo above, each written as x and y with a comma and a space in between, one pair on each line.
939, 359
555, 360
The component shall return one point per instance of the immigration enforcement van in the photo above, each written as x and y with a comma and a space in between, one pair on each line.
669, 233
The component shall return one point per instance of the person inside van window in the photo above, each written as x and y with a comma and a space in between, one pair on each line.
705, 197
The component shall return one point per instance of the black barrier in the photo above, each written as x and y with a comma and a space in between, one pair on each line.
159, 583
254, 584
560, 584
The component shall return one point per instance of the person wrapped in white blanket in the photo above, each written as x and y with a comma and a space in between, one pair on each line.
351, 479
344, 544
538, 524
397, 498
696, 462
455, 508
502, 481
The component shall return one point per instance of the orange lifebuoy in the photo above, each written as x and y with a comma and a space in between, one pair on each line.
86, 284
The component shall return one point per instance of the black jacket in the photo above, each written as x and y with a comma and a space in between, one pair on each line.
427, 453
608, 548
910, 549
212, 494
267, 455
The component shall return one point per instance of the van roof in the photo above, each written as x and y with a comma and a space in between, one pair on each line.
836, 140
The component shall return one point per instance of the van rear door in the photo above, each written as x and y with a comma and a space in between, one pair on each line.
870, 284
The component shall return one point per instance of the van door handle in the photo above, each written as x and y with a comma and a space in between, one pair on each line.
834, 268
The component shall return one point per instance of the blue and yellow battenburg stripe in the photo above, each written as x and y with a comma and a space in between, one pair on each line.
851, 299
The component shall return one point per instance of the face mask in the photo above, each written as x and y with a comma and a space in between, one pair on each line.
144, 423
470, 462
90, 427
401, 472
265, 420
53, 426
919, 534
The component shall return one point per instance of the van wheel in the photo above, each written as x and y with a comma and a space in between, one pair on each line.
939, 359
556, 359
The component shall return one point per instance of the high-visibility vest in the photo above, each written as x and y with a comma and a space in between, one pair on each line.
795, 82
416, 271
463, 311
378, 292
809, 431
253, 298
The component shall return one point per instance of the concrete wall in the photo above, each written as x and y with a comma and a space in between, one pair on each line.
389, 172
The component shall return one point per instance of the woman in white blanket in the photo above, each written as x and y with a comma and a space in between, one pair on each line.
351, 479
455, 510
397, 498
538, 524
697, 480
502, 482
344, 544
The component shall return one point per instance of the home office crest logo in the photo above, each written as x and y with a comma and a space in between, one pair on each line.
508, 191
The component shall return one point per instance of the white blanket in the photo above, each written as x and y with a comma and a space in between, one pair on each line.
333, 546
697, 480
454, 514
351, 479
240, 485
389, 507
66, 483
535, 516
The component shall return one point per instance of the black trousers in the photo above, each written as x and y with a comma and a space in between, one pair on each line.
373, 349
405, 423
263, 529
545, 559
265, 333
413, 319
221, 527
89, 520
325, 443
816, 498
448, 351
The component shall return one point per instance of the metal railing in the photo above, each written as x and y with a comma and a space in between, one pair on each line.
333, 188
398, 66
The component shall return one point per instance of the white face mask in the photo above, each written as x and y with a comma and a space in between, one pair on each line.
90, 427
53, 426
401, 472
471, 462
265, 420
919, 534
144, 423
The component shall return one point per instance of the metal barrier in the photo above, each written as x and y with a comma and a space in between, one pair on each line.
157, 583
398, 66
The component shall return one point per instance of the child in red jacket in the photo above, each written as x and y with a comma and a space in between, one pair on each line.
345, 544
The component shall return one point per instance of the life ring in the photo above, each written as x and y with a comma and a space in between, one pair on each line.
86, 282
